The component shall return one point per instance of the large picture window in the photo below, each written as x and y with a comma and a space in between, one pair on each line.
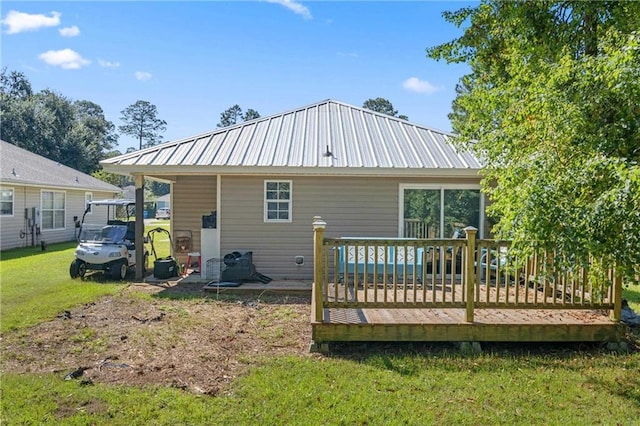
52, 209
277, 201
6, 202
439, 212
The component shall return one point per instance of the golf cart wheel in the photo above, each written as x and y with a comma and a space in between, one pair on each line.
119, 270
76, 267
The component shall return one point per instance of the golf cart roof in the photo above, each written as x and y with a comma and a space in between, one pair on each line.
113, 202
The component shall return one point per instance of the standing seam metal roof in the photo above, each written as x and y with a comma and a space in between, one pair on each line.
355, 137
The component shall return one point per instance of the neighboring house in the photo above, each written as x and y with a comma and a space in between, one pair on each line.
366, 174
41, 200
163, 202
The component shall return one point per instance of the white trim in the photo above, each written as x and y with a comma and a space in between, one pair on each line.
288, 201
442, 188
13, 200
157, 171
85, 202
64, 216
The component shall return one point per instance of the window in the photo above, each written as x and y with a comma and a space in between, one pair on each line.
6, 202
52, 209
277, 201
88, 197
439, 211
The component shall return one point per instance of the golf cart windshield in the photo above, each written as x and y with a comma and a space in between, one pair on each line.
103, 234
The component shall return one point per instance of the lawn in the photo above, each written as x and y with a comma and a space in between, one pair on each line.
355, 384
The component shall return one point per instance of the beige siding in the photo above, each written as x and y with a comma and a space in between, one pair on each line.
27, 197
192, 198
351, 206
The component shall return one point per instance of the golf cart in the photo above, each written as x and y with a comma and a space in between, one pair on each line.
107, 247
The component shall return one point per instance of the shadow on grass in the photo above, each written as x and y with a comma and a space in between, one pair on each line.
23, 252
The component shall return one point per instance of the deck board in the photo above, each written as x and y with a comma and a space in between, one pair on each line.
450, 325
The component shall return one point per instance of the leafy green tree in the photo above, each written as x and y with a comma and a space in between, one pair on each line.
141, 121
233, 115
92, 135
550, 105
112, 178
383, 106
75, 133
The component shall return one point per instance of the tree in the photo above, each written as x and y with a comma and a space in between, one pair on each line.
233, 115
75, 133
550, 106
251, 114
92, 135
383, 106
141, 121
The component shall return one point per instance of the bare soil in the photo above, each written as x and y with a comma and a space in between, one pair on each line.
159, 335
180, 336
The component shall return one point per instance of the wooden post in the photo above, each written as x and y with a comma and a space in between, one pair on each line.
318, 279
616, 313
139, 243
470, 276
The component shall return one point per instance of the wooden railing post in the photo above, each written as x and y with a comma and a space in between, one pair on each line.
470, 275
616, 313
318, 279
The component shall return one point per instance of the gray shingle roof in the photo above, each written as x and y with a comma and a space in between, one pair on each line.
21, 167
325, 138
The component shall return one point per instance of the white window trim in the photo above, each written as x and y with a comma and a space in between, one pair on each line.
13, 201
442, 188
64, 225
90, 194
289, 201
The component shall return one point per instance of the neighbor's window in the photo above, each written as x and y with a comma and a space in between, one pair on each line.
52, 209
88, 197
277, 201
6, 202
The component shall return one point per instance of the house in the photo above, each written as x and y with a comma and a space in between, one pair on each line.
163, 202
42, 200
367, 174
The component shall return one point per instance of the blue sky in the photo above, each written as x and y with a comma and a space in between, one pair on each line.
195, 59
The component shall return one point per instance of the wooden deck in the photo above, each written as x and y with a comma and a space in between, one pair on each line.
489, 325
368, 289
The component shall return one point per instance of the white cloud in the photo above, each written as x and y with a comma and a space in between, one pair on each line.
143, 76
19, 22
295, 7
108, 64
66, 58
69, 31
414, 84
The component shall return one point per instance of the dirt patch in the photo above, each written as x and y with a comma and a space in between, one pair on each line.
163, 336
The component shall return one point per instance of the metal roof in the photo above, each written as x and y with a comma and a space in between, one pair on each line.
21, 167
328, 137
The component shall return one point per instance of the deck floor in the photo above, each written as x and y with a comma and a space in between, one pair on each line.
457, 316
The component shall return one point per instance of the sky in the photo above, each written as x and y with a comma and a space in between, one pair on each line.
193, 60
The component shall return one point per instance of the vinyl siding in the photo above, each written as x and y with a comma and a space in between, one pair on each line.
351, 206
192, 198
27, 197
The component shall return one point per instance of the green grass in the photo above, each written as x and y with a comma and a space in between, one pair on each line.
35, 285
379, 388
373, 385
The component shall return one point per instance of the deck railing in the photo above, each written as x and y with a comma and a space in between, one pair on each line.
397, 273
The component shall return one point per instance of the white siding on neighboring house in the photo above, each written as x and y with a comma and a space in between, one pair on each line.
28, 197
